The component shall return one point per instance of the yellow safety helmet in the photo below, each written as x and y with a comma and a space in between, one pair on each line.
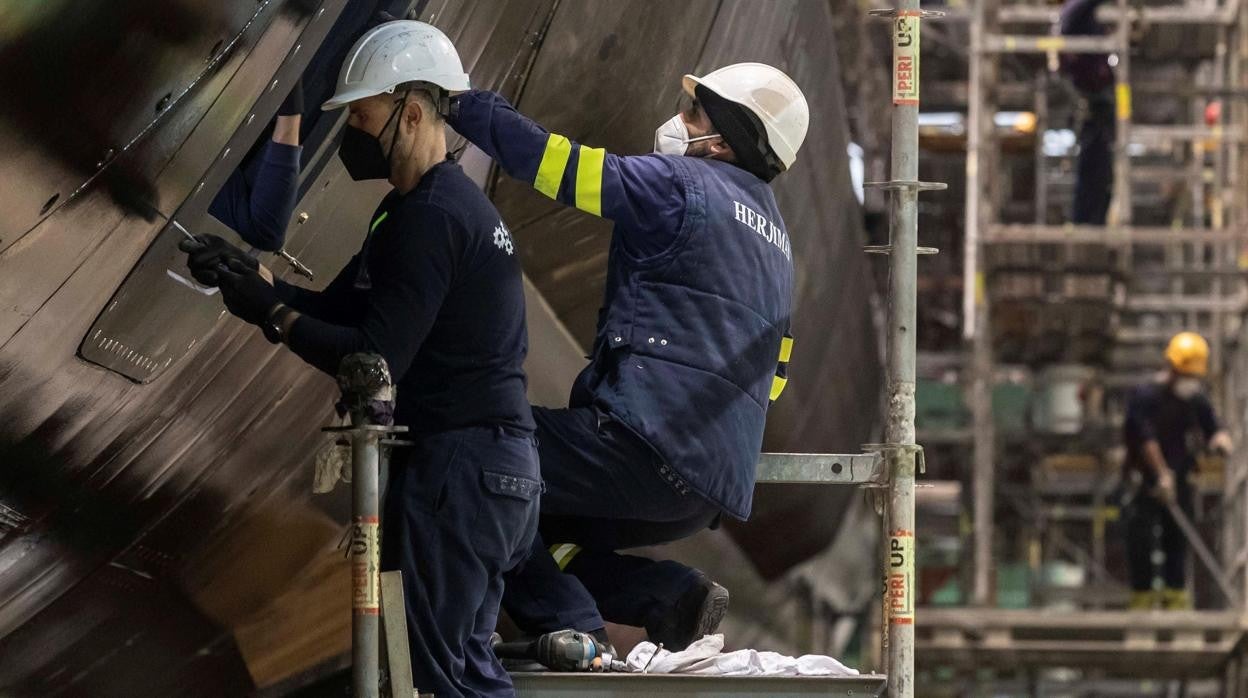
1188, 354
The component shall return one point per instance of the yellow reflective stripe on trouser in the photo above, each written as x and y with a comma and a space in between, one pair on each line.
563, 554
589, 180
786, 349
554, 162
777, 386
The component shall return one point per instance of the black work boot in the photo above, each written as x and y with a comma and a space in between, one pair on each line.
697, 612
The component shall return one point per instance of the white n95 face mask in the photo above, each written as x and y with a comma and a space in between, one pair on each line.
672, 138
1186, 388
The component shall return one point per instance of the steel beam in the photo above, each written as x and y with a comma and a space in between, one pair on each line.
822, 468
1109, 235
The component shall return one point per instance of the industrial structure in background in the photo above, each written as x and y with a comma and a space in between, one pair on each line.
1044, 328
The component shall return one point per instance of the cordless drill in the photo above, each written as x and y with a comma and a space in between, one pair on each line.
563, 650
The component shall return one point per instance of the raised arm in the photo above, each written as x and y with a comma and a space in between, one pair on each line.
643, 194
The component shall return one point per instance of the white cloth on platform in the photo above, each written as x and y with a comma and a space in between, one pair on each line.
706, 656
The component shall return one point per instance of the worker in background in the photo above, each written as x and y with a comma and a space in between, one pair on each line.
1168, 422
259, 196
1093, 77
436, 290
665, 424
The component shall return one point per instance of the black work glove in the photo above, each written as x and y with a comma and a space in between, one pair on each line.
293, 104
246, 294
210, 254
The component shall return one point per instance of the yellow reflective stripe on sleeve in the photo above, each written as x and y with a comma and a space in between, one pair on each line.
589, 180
777, 386
786, 349
563, 554
382, 217
554, 162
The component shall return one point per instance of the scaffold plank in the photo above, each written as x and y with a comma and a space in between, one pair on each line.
558, 685
1110, 235
1171, 14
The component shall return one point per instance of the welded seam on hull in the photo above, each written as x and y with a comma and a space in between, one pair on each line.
209, 68
225, 51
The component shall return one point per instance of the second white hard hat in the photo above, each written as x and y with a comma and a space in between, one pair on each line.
394, 53
771, 95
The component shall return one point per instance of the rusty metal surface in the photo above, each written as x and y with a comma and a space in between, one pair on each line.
161, 538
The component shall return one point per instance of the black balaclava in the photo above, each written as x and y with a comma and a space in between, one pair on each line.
743, 132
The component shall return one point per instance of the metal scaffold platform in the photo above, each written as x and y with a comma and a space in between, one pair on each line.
1112, 295
1156, 645
689, 686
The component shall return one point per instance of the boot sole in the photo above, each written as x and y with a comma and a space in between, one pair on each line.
712, 611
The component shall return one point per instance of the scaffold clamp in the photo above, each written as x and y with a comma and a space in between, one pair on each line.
888, 13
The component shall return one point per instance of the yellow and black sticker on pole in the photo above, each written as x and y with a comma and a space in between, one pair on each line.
899, 591
906, 58
365, 566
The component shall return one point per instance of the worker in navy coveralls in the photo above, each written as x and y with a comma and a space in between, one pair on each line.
665, 424
437, 291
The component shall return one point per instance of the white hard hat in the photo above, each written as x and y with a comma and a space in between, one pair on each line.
771, 95
394, 53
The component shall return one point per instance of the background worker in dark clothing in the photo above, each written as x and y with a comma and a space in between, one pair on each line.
1167, 424
1093, 77
437, 291
258, 198
666, 423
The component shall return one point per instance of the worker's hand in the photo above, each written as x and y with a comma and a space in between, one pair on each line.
209, 255
1164, 491
1221, 443
246, 294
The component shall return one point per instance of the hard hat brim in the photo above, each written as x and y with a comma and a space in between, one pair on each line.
342, 99
451, 83
690, 83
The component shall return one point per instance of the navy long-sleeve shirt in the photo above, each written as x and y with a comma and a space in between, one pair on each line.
258, 198
1090, 72
642, 194
1180, 427
443, 303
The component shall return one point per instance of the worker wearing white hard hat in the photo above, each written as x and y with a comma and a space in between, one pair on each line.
436, 290
665, 424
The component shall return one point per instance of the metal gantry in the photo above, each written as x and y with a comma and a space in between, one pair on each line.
1160, 279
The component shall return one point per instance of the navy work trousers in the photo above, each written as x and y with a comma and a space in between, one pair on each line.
461, 510
605, 490
1094, 170
1149, 526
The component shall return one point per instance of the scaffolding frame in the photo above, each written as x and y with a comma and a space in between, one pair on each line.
1195, 253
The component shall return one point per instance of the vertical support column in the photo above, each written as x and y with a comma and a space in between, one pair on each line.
979, 165
974, 183
1041, 170
900, 449
365, 566
1120, 212
368, 396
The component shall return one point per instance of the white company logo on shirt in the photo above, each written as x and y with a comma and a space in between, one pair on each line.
502, 239
766, 230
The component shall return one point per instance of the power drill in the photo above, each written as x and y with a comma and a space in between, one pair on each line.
563, 650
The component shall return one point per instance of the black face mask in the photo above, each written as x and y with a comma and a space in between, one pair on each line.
362, 154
